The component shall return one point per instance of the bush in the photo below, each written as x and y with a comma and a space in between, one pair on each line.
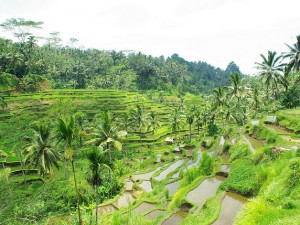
238, 151
242, 179
206, 165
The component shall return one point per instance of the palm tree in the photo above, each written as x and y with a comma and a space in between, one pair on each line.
293, 55
138, 119
255, 100
125, 122
106, 134
97, 163
153, 123
271, 72
199, 121
190, 120
66, 133
40, 153
220, 102
175, 121
236, 89
80, 118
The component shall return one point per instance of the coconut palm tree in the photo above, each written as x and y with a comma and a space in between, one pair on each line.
40, 152
153, 123
219, 100
190, 120
199, 121
80, 119
106, 134
254, 99
66, 133
98, 162
271, 72
293, 55
175, 121
236, 89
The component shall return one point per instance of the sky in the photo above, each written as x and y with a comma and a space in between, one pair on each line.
214, 31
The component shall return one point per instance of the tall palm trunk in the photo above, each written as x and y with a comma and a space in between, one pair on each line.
75, 181
96, 189
153, 139
141, 137
190, 132
109, 152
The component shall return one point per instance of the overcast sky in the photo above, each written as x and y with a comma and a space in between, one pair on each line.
214, 31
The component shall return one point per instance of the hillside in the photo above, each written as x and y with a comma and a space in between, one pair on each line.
251, 171
24, 65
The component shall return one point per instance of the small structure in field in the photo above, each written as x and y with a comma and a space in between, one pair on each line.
169, 140
271, 119
254, 122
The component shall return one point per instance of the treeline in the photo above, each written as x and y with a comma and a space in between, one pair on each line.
69, 66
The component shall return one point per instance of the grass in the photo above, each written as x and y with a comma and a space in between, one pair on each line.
242, 179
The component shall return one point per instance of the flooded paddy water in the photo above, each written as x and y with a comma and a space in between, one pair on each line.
175, 218
144, 176
205, 190
154, 214
171, 168
124, 200
143, 207
146, 186
232, 204
172, 187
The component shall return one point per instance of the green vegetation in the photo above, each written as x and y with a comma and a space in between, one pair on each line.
93, 150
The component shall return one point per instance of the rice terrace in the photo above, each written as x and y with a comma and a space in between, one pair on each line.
91, 136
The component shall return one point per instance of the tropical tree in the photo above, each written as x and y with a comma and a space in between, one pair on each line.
125, 122
293, 55
190, 120
40, 153
219, 100
153, 123
106, 134
175, 121
236, 89
271, 71
66, 133
80, 119
199, 121
138, 119
255, 101
98, 162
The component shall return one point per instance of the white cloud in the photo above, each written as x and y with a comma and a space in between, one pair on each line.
216, 31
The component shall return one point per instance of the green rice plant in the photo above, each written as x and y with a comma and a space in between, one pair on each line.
238, 151
242, 179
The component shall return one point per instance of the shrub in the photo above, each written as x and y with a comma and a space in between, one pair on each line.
242, 179
238, 151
